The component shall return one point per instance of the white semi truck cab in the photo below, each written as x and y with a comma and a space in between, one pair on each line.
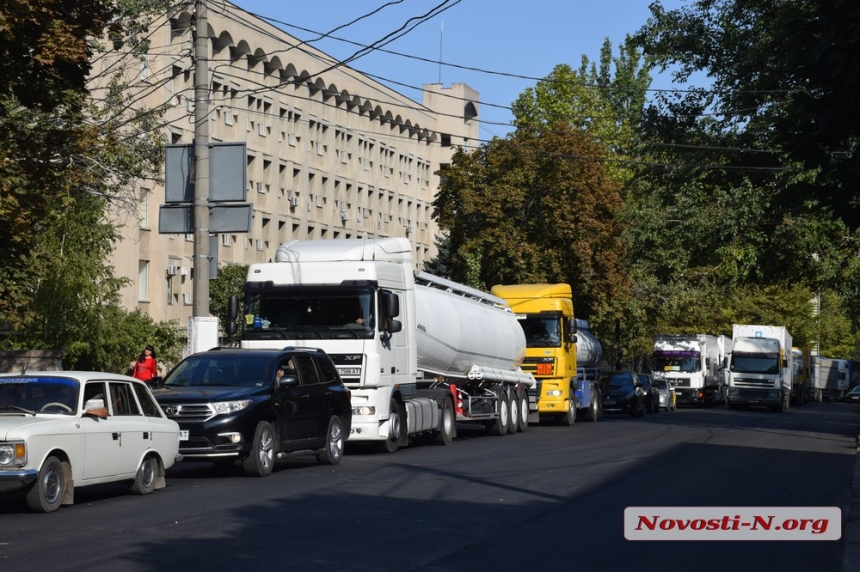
692, 364
760, 367
418, 352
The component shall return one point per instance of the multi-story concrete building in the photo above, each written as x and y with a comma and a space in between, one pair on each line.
331, 153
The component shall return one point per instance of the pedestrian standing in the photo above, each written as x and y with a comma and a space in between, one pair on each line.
145, 368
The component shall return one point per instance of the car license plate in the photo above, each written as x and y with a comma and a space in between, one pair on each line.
183, 435
608, 402
350, 371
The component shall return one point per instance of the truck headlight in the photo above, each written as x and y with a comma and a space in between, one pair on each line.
13, 454
773, 394
225, 407
734, 391
553, 393
364, 410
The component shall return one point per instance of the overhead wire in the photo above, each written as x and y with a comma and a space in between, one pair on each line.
333, 64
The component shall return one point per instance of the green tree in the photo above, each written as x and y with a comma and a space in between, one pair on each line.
527, 209
229, 282
798, 101
592, 99
442, 264
69, 160
731, 215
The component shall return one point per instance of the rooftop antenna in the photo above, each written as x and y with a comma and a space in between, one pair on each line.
441, 31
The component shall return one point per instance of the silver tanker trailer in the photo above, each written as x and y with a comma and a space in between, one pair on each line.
419, 353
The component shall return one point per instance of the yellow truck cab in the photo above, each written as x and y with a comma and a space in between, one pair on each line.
545, 312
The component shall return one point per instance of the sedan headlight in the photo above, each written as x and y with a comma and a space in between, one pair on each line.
225, 407
12, 454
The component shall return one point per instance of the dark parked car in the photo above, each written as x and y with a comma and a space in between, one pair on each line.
255, 406
623, 393
652, 393
852, 396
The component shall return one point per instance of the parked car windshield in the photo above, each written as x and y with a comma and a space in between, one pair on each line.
661, 384
222, 370
621, 381
39, 395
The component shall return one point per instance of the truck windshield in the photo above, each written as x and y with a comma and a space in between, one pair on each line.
309, 314
676, 361
754, 363
542, 332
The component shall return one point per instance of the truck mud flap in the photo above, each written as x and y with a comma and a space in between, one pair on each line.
421, 415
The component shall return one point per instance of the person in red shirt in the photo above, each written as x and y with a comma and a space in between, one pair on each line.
145, 368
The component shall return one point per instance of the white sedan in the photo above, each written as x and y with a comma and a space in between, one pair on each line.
65, 429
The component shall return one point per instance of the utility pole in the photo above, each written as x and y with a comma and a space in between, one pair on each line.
201, 164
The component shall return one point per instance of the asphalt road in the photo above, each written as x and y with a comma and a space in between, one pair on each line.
549, 499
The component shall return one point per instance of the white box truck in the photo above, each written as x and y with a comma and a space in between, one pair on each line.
760, 367
417, 352
691, 363
829, 378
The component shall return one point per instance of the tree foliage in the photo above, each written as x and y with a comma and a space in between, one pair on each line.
736, 217
592, 99
527, 209
798, 102
229, 282
69, 158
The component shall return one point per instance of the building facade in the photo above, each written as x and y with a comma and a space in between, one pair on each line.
331, 153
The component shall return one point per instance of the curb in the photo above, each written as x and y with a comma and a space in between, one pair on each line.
851, 533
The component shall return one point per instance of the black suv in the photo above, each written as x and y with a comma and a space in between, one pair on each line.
255, 406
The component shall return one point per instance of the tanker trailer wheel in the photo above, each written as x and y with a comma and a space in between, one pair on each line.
447, 425
499, 425
514, 423
395, 426
523, 404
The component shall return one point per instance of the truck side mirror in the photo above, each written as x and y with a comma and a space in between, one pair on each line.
392, 304
394, 326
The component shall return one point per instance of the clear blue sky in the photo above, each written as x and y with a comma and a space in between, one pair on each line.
521, 38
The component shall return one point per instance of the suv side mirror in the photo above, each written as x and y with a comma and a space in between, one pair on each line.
288, 380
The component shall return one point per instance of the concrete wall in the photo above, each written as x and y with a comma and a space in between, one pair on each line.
34, 360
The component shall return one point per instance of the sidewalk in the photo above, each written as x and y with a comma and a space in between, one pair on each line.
851, 533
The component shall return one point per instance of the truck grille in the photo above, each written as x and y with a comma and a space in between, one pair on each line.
755, 383
349, 366
190, 412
